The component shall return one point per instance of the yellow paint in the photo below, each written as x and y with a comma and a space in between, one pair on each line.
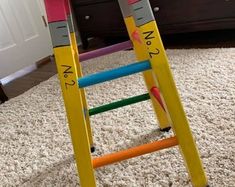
180, 124
66, 62
83, 94
142, 54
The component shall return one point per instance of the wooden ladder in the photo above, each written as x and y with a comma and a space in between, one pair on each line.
152, 61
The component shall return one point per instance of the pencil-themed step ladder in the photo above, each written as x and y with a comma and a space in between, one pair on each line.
152, 61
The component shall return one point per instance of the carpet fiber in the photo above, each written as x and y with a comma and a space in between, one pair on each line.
36, 150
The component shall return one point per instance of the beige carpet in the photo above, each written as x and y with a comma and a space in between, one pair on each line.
35, 146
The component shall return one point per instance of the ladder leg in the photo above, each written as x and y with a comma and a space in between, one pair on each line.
79, 71
141, 54
68, 75
145, 21
74, 108
162, 115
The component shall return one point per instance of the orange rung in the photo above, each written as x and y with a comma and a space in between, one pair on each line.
134, 152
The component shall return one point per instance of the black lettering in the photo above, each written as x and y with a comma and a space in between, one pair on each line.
70, 84
149, 33
151, 54
67, 70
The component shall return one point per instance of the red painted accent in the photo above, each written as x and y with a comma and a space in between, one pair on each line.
132, 1
135, 35
156, 93
55, 10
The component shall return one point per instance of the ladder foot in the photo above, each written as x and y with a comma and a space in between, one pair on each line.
92, 149
167, 129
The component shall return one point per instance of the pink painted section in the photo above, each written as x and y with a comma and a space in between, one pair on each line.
132, 1
67, 7
56, 10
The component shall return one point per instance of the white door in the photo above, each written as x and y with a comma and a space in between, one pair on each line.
24, 36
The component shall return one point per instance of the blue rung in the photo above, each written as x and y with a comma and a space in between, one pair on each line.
113, 74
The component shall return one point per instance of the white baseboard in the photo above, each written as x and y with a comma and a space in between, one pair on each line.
18, 74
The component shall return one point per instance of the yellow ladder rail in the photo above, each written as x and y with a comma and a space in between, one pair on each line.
141, 54
145, 21
69, 71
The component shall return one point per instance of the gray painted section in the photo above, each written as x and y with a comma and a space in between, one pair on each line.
59, 33
70, 23
126, 12
142, 12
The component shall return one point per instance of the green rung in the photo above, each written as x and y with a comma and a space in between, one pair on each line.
119, 104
